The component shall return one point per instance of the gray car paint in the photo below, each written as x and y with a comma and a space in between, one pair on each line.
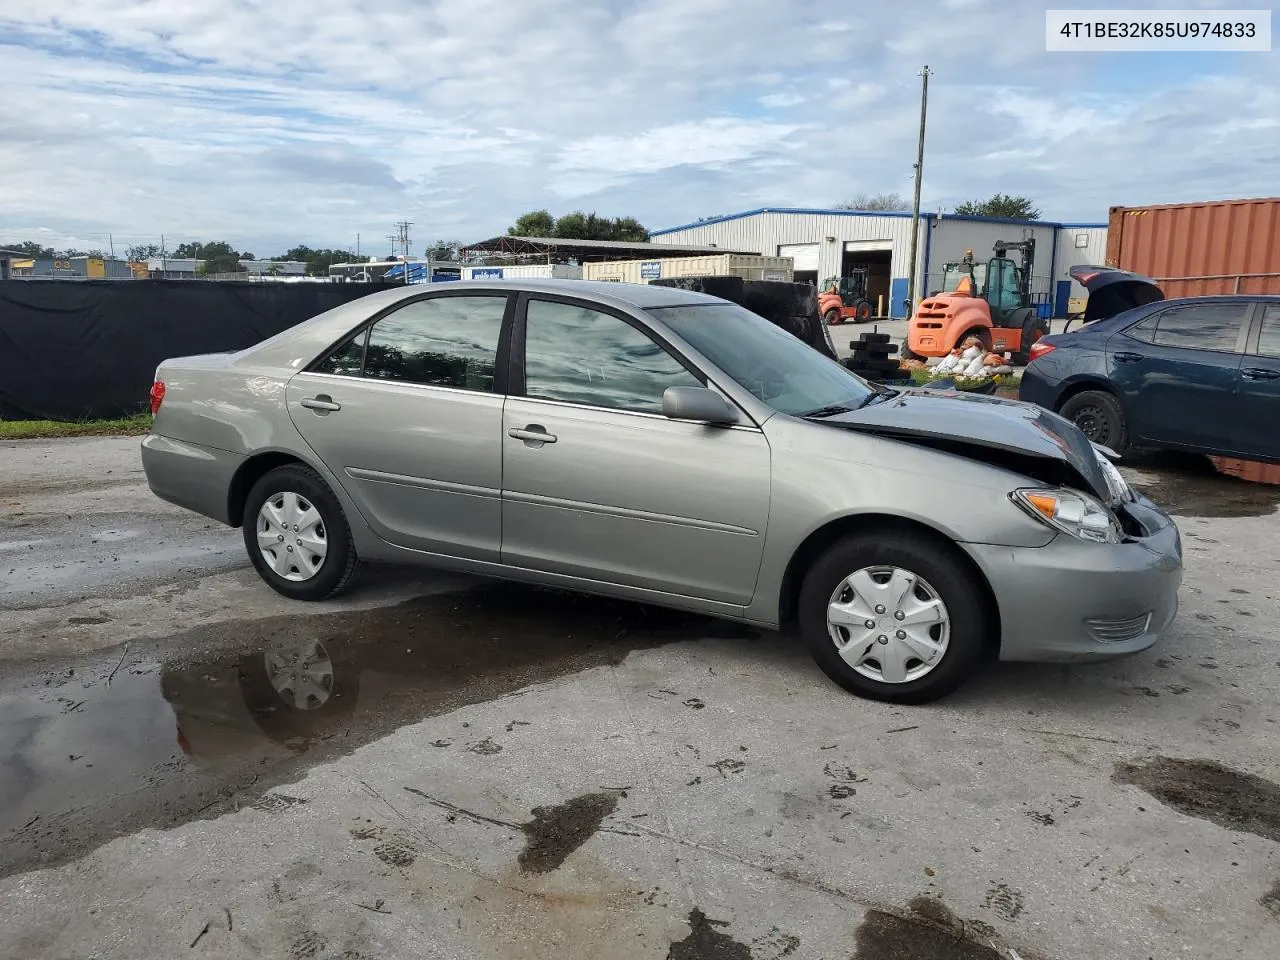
638, 506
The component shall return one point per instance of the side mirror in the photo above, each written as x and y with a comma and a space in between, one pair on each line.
697, 403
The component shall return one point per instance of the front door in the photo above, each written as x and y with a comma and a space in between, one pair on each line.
1257, 427
407, 415
598, 484
1176, 371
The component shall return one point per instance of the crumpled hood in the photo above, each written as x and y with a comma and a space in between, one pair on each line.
969, 424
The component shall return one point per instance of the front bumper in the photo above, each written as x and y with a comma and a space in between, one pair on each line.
1074, 602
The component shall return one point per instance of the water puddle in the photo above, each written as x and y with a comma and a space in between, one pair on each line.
705, 942
1209, 791
112, 745
555, 832
930, 931
1187, 485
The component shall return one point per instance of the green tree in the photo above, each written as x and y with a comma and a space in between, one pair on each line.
1001, 205
444, 250
875, 201
142, 251
318, 261
535, 223
629, 228
32, 249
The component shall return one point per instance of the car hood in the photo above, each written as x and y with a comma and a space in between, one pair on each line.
1018, 436
1113, 291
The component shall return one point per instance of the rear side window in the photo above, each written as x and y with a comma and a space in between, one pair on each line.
442, 342
1269, 336
1208, 326
347, 360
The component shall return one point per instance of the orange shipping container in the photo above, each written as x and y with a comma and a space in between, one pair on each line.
1200, 249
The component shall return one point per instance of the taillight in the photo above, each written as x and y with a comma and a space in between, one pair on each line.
157, 396
1037, 351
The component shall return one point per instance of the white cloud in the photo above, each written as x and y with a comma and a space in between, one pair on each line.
777, 101
271, 124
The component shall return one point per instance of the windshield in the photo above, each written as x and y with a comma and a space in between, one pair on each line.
777, 368
955, 272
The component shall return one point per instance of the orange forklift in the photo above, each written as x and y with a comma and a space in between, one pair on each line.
990, 301
845, 298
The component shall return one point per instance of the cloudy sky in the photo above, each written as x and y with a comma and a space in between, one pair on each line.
274, 123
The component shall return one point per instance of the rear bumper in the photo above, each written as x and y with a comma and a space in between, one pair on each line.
1034, 388
1073, 602
190, 475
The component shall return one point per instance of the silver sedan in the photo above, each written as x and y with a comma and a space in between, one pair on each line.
673, 448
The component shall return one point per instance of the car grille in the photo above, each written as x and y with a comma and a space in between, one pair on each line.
1118, 631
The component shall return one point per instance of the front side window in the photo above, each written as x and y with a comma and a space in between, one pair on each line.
1207, 326
1269, 337
579, 355
780, 370
441, 342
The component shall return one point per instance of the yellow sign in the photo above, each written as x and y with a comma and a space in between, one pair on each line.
96, 268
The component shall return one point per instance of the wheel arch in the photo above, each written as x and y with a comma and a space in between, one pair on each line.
1084, 384
250, 472
817, 542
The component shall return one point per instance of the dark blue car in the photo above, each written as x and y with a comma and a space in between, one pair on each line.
1200, 374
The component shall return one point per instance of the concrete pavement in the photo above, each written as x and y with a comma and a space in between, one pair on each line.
512, 773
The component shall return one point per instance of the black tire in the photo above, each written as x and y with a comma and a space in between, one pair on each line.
906, 353
1031, 333
831, 318
862, 311
919, 554
1100, 417
982, 333
340, 566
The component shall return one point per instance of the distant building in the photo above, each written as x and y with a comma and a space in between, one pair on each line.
277, 268
171, 268
71, 268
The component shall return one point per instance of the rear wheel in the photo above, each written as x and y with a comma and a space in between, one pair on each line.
1100, 418
1031, 333
297, 535
831, 318
893, 616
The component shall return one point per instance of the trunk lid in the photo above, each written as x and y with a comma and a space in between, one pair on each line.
1113, 291
1002, 432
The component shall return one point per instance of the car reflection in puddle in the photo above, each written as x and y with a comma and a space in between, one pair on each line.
108, 746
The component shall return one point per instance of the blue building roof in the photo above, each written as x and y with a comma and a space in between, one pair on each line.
869, 213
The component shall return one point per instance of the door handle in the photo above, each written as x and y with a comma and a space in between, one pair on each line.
1259, 373
1126, 357
533, 433
322, 403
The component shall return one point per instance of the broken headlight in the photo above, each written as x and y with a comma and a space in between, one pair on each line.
1117, 486
1071, 512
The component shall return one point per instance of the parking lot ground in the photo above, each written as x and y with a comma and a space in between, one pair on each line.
509, 772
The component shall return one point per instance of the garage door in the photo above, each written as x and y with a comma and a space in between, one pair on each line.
804, 255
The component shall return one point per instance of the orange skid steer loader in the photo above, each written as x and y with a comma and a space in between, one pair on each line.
990, 301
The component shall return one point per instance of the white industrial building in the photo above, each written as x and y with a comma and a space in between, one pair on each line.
832, 243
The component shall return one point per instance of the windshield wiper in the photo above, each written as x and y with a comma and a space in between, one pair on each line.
828, 411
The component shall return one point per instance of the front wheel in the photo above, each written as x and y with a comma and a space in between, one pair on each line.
893, 616
861, 311
1100, 418
297, 535
831, 318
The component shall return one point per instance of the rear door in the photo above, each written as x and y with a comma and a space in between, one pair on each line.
1257, 427
408, 415
1176, 371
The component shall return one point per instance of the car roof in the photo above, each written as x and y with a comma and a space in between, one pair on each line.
642, 295
1220, 297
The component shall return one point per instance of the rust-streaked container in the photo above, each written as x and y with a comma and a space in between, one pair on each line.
1250, 470
1200, 249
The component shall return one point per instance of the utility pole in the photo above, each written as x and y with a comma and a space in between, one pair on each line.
402, 237
915, 205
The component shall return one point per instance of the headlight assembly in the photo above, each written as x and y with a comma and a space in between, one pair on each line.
1071, 512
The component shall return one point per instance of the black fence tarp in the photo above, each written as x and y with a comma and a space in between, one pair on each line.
72, 350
